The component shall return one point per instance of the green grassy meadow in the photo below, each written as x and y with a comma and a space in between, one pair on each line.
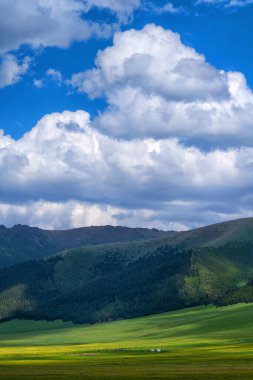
197, 343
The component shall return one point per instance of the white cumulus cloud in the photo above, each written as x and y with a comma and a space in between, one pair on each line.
139, 162
63, 159
156, 86
55, 23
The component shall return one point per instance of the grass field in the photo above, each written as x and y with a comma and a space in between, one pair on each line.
198, 343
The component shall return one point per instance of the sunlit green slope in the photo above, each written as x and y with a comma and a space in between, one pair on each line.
205, 324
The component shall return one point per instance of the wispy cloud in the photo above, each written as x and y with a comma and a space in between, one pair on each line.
226, 3
55, 75
11, 70
168, 7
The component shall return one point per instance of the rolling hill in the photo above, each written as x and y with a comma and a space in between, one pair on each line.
213, 264
181, 327
23, 243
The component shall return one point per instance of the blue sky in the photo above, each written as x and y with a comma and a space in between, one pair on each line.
186, 90
224, 36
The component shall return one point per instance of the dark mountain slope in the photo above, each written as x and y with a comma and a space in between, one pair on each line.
23, 243
215, 235
213, 264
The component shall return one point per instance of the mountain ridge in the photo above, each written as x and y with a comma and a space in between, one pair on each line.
23, 243
212, 264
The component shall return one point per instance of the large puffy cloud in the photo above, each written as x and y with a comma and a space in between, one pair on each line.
155, 61
54, 23
64, 152
63, 167
158, 87
70, 171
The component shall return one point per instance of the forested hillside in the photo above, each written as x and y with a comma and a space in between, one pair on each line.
213, 264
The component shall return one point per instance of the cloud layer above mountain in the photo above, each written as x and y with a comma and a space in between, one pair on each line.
139, 162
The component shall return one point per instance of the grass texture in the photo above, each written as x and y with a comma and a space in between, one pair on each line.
197, 343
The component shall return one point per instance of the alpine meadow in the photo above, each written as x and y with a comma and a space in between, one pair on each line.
126, 190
